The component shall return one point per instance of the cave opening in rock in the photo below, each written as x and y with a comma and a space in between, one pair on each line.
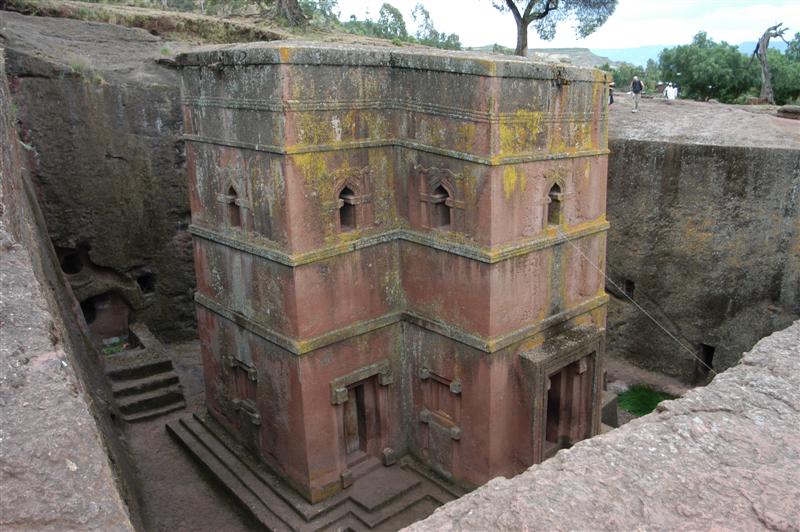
147, 283
71, 263
106, 315
628, 287
705, 363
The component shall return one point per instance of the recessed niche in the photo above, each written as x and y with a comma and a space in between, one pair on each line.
147, 283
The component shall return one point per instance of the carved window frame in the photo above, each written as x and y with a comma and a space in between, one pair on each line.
430, 179
359, 183
358, 200
239, 199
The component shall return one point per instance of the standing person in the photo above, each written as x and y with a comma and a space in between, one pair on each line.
610, 93
636, 88
671, 92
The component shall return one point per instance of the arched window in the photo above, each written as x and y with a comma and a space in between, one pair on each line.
440, 210
555, 198
347, 210
234, 211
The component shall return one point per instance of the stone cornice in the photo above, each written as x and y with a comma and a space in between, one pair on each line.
487, 345
330, 54
489, 256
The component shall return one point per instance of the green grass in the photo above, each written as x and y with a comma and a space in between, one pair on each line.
640, 400
115, 348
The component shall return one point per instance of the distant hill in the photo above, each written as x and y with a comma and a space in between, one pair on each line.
582, 57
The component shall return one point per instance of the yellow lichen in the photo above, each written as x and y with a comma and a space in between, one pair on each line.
520, 132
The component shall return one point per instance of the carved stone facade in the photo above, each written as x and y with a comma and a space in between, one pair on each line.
397, 253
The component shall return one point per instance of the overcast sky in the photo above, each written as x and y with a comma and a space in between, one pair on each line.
634, 23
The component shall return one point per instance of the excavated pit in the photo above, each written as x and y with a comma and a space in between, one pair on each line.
103, 122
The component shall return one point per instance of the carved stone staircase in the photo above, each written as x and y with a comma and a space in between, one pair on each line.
385, 498
143, 380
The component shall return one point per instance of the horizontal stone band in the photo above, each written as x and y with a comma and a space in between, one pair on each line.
487, 345
491, 256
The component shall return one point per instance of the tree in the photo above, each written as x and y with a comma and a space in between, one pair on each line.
761, 51
321, 12
288, 10
793, 50
546, 14
705, 69
428, 35
391, 24
785, 76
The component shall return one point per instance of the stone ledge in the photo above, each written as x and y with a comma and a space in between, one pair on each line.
302, 346
726, 456
266, 249
422, 58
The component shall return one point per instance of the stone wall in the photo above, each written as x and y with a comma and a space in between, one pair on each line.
726, 456
103, 120
54, 468
707, 239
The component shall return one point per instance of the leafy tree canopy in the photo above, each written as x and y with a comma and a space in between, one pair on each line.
706, 69
545, 15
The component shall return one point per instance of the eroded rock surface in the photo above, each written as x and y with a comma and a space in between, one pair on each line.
54, 471
103, 120
704, 206
726, 456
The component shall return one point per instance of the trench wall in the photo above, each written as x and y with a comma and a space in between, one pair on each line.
57, 433
710, 238
104, 121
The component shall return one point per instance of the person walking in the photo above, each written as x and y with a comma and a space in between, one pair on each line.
610, 93
636, 88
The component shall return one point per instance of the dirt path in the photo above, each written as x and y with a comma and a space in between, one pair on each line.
177, 495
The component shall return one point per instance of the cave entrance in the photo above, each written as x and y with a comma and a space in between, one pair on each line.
705, 363
106, 315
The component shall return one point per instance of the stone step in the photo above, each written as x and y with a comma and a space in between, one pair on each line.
251, 502
132, 367
155, 412
382, 498
150, 400
232, 451
151, 382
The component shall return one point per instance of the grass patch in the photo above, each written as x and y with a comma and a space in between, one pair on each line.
640, 399
116, 347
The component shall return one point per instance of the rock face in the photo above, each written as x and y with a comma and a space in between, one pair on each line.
104, 122
54, 471
726, 456
705, 233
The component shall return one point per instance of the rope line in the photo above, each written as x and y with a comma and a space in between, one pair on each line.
637, 305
